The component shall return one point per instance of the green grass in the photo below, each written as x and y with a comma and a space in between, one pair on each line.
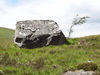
6, 37
51, 60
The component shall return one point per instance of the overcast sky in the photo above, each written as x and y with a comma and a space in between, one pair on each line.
61, 11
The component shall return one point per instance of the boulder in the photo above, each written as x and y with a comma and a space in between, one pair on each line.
38, 33
79, 73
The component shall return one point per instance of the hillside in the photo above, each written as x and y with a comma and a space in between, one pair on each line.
51, 60
6, 37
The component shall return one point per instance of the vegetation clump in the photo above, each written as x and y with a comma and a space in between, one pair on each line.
97, 73
88, 66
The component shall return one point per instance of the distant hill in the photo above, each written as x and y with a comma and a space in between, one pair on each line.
6, 36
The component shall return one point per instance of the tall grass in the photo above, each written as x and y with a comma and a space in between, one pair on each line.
51, 60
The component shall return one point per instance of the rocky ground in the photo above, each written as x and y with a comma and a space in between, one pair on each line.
79, 72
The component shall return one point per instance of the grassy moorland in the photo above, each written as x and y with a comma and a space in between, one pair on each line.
51, 60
